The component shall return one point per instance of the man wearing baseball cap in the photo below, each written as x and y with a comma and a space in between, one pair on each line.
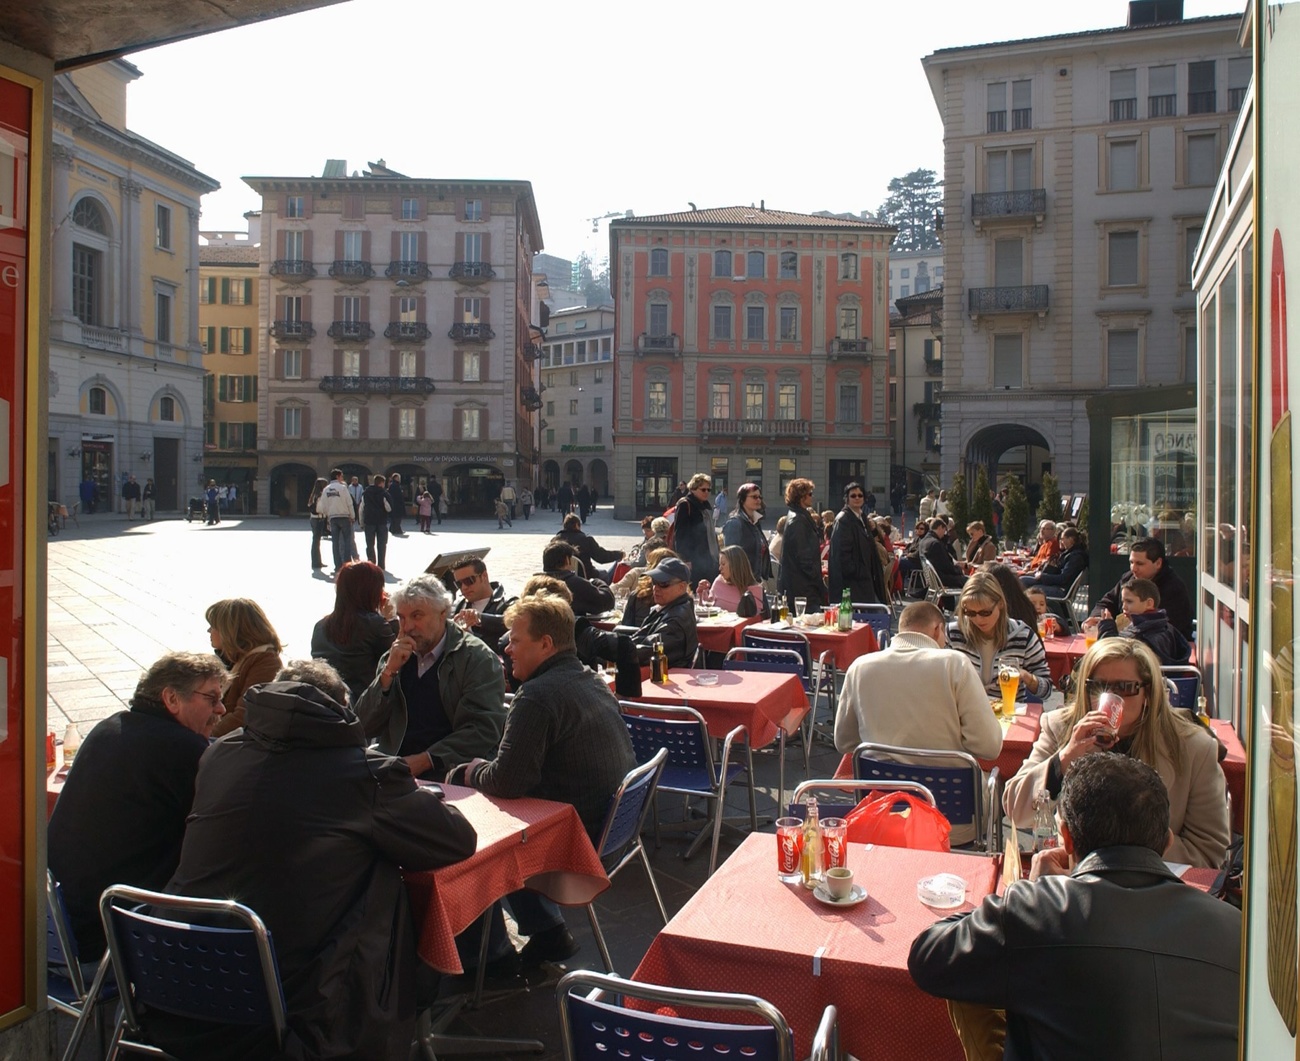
672, 619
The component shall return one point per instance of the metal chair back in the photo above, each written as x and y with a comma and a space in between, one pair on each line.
772, 660
592, 1029
858, 790
219, 974
826, 1041
935, 591
1076, 601
1184, 685
879, 617
955, 778
65, 983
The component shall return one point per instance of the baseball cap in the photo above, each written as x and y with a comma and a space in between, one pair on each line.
669, 569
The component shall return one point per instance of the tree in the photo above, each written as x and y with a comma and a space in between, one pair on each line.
1050, 506
1015, 510
911, 207
959, 504
981, 507
593, 279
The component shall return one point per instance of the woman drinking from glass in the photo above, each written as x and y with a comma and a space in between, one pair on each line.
992, 640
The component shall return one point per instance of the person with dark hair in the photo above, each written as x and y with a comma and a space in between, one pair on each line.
298, 820
121, 816
1069, 564
355, 635
376, 508
590, 552
695, 537
742, 528
319, 523
1146, 559
586, 501
590, 596
801, 557
1103, 951
934, 548
1019, 606
853, 562
397, 505
483, 603
564, 500
1145, 620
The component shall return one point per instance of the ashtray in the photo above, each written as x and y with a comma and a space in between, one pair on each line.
943, 891
706, 677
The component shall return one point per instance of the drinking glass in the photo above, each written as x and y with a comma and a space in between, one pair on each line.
800, 606
1009, 684
1089, 636
789, 848
833, 838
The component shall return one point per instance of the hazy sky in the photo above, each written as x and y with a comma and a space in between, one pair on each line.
604, 107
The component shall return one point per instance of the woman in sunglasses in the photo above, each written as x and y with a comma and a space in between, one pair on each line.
1183, 753
991, 639
742, 529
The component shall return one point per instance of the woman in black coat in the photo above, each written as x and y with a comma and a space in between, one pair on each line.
801, 553
742, 529
694, 537
854, 562
355, 635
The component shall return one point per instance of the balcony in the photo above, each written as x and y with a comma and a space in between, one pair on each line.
350, 331
110, 339
772, 429
532, 351
350, 271
471, 272
986, 207
984, 301
1201, 102
848, 348
292, 331
293, 270
530, 399
471, 333
407, 332
1124, 110
411, 272
658, 344
377, 385
934, 366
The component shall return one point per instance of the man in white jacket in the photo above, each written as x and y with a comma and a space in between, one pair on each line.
335, 504
918, 694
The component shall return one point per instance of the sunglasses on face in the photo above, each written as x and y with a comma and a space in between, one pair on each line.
852, 496
468, 580
978, 613
1097, 686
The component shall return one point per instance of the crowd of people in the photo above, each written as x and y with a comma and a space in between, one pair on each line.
314, 766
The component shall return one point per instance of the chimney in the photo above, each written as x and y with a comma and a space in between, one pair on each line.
762, 204
1154, 12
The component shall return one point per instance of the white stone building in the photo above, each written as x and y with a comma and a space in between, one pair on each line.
577, 369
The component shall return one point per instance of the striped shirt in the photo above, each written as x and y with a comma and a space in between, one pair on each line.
1023, 650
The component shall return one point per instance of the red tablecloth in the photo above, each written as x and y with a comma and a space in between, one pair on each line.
1234, 771
845, 646
760, 701
1064, 652
720, 634
745, 931
1018, 738
521, 842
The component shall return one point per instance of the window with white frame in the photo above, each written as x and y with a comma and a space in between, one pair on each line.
789, 323
1011, 170
293, 206
408, 246
722, 265
293, 246
470, 420
755, 401
473, 246
410, 209
292, 363
406, 364
1007, 358
1123, 95
352, 243
720, 400
721, 321
162, 227
406, 420
351, 308
995, 107
473, 209
408, 309
1122, 357
573, 406
1008, 262
1122, 170
293, 308
167, 408
755, 323
787, 401
87, 283
848, 322
351, 422
848, 266
350, 362
292, 421
163, 317
656, 400
789, 265
471, 309
658, 262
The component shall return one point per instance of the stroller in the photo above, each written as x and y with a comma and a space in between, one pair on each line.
197, 509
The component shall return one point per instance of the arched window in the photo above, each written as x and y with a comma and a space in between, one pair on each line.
89, 215
166, 408
97, 400
722, 264
659, 262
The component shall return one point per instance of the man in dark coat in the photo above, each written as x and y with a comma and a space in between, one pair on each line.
934, 548
296, 819
564, 500
1146, 559
375, 506
590, 596
564, 740
397, 501
584, 501
695, 538
483, 603
121, 816
1103, 952
435, 492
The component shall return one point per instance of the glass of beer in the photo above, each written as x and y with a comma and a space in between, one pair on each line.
1090, 635
1009, 685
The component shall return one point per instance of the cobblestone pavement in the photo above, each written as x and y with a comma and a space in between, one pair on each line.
121, 594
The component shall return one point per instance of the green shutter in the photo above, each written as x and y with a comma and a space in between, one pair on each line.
248, 292
212, 289
208, 431
250, 436
248, 336
212, 341
250, 388
225, 290
222, 388
225, 340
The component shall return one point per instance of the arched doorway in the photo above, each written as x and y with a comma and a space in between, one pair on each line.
290, 488
1010, 449
470, 489
551, 475
599, 477
359, 470
415, 478
573, 473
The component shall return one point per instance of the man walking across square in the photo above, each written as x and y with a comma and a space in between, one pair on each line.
335, 504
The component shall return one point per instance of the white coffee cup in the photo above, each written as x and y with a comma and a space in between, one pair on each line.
839, 882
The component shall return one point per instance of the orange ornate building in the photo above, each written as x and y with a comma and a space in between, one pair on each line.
750, 344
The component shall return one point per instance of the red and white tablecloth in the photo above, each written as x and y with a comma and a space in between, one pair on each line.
720, 634
762, 702
745, 931
845, 645
532, 843
1064, 652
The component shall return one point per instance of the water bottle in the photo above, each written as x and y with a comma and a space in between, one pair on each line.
1044, 823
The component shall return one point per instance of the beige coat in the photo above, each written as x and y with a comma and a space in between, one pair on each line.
1198, 809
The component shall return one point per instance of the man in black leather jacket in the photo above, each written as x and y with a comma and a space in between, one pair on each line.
1103, 952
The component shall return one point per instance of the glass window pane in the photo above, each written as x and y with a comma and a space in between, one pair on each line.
1123, 166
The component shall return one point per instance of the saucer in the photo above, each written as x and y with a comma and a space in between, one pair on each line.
857, 895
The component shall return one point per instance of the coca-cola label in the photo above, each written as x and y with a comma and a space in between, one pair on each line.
789, 846
834, 851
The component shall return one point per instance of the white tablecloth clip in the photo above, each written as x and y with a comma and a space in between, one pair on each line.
817, 960
523, 836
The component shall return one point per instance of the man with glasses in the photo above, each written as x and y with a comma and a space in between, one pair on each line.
695, 538
482, 605
121, 815
918, 694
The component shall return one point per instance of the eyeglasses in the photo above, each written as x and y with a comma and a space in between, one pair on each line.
852, 496
978, 613
469, 580
212, 698
704, 489
1097, 686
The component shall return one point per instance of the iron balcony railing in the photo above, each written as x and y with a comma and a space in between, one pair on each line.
292, 331
412, 272
292, 269
377, 385
351, 270
471, 271
1024, 202
749, 428
531, 400
407, 331
1031, 299
658, 344
350, 331
471, 333
849, 348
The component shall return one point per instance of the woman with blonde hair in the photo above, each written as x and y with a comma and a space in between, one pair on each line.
735, 578
245, 641
980, 548
1182, 751
991, 639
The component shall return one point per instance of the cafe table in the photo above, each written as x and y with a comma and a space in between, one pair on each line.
845, 645
1064, 652
718, 633
745, 931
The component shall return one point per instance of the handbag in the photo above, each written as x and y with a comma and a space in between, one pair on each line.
898, 819
746, 607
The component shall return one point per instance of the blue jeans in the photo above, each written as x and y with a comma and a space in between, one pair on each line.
345, 548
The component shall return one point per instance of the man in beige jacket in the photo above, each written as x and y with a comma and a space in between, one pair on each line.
918, 694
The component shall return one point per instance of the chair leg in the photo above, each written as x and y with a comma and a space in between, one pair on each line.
749, 778
600, 936
780, 771
654, 884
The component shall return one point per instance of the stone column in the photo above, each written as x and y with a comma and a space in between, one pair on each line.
130, 313
61, 289
192, 288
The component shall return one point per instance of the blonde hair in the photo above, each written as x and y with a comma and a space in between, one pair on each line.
545, 616
982, 588
645, 587
699, 479
544, 585
242, 626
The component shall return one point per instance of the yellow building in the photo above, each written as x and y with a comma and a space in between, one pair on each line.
228, 309
126, 366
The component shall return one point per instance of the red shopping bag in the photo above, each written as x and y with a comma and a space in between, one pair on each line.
898, 819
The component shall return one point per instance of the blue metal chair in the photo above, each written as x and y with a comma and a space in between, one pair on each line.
690, 770
65, 982
879, 617
818, 673
620, 837
773, 661
217, 974
1184, 685
593, 1029
960, 789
